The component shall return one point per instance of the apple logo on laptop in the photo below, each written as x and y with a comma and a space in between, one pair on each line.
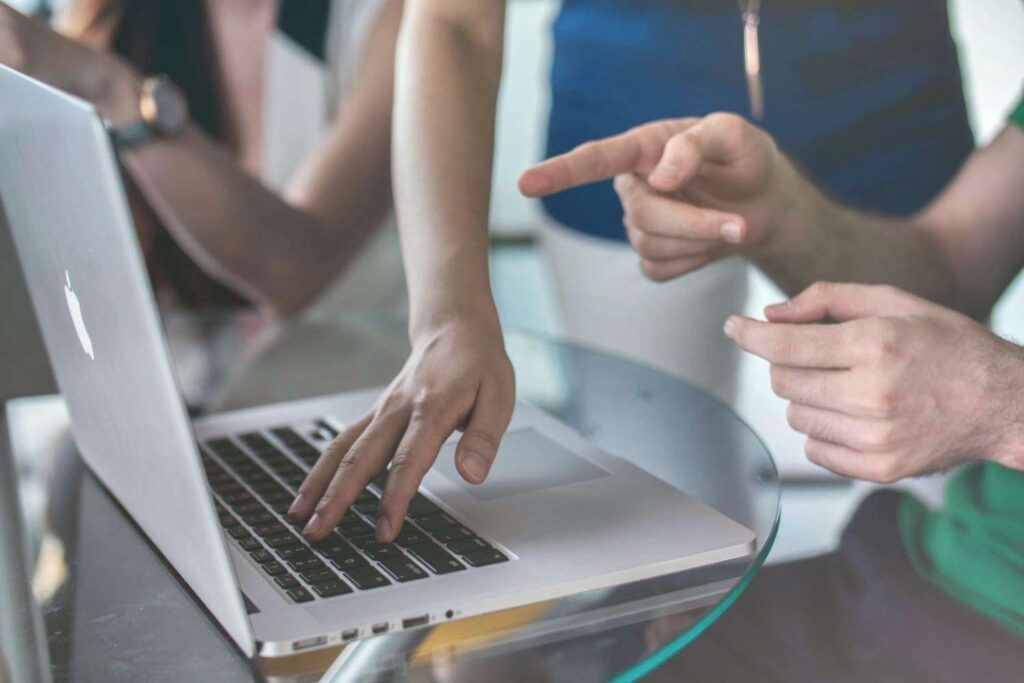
75, 309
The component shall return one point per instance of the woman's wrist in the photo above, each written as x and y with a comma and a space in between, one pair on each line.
443, 312
116, 93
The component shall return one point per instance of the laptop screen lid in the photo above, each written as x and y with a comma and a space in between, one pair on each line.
66, 208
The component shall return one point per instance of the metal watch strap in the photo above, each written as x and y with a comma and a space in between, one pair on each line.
132, 135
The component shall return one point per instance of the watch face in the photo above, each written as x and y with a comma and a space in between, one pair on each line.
163, 106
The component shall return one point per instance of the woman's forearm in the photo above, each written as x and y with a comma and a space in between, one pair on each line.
448, 73
236, 229
274, 250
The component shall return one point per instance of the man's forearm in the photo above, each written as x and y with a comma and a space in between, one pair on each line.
445, 99
816, 238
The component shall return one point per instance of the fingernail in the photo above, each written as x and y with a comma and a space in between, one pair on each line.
313, 525
730, 327
475, 467
665, 173
776, 307
383, 529
732, 232
296, 504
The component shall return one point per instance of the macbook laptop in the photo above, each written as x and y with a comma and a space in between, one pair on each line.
556, 516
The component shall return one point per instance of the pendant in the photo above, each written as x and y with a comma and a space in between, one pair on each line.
752, 64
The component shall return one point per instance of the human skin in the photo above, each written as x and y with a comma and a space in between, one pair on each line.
276, 250
884, 383
458, 375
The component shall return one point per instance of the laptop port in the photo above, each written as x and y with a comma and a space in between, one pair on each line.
413, 622
380, 628
349, 634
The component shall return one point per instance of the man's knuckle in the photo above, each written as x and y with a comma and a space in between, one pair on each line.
820, 289
886, 471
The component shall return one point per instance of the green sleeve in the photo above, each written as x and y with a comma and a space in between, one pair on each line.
1017, 116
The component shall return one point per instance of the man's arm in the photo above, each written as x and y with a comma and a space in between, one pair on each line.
458, 375
696, 190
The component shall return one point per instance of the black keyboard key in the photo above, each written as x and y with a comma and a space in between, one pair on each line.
217, 445
410, 535
453, 533
468, 545
265, 485
295, 552
299, 594
254, 440
248, 508
331, 588
247, 468
482, 558
286, 581
421, 506
294, 479
280, 496
317, 575
274, 568
262, 556
366, 578
238, 532
250, 544
403, 569
304, 451
432, 523
364, 542
380, 480
326, 429
306, 563
235, 500
271, 529
287, 435
367, 506
436, 558
228, 488
333, 545
349, 562
227, 520
355, 528
379, 551
256, 518
283, 540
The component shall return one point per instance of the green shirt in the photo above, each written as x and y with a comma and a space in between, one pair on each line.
973, 549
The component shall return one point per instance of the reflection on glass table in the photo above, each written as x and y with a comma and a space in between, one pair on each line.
115, 611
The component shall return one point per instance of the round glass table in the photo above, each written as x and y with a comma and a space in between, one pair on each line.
99, 603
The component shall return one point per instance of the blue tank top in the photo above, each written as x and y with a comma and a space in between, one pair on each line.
865, 94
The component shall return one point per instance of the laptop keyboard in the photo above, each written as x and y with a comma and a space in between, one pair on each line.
254, 478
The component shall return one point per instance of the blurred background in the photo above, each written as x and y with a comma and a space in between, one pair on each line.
990, 34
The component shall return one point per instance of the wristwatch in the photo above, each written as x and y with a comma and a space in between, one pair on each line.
163, 113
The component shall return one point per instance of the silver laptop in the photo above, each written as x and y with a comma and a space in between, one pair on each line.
556, 516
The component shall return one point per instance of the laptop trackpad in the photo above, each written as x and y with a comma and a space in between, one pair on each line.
527, 461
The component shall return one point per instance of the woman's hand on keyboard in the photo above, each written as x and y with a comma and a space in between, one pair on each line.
457, 377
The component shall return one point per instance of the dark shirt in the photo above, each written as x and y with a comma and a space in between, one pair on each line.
865, 95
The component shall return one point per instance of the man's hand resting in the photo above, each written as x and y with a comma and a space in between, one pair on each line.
898, 387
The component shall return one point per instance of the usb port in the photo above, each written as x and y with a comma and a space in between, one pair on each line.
349, 634
382, 627
413, 622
